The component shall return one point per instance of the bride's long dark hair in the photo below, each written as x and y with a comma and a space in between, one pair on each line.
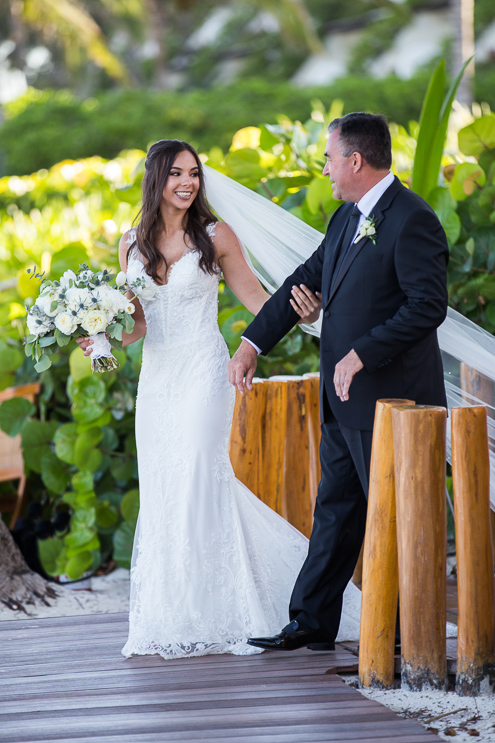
159, 161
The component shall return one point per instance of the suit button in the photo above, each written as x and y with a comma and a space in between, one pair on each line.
327, 313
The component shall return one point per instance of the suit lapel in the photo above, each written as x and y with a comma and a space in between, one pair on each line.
334, 250
378, 214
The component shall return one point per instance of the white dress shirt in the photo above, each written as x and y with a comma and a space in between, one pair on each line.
366, 204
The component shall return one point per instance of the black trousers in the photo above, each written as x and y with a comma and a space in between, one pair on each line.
338, 528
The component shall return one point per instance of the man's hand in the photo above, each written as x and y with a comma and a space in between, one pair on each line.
344, 374
243, 364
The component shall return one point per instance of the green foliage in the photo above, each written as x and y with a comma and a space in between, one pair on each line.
433, 124
14, 413
80, 454
472, 262
48, 127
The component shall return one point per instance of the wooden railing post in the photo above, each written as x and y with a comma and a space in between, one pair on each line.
420, 451
273, 442
380, 576
245, 438
471, 482
297, 492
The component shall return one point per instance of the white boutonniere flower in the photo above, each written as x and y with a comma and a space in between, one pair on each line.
367, 229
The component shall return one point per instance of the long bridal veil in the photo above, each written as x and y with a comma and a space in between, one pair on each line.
276, 242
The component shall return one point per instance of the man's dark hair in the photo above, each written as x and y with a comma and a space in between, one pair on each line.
367, 134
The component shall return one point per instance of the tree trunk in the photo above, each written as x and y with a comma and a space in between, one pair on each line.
20, 587
156, 31
462, 13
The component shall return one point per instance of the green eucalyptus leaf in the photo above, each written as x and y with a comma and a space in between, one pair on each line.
43, 364
47, 340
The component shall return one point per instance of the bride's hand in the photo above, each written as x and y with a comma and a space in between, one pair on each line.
306, 304
85, 344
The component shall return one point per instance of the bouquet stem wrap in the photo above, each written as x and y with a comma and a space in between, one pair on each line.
102, 359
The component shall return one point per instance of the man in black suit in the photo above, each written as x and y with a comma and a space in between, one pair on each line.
381, 270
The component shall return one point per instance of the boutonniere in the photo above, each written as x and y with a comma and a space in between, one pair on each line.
367, 229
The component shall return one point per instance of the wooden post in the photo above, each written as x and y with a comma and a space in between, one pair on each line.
420, 450
273, 442
380, 576
471, 482
245, 438
296, 462
476, 384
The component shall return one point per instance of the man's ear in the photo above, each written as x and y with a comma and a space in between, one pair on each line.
357, 161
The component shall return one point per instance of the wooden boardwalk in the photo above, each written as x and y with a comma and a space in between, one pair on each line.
64, 680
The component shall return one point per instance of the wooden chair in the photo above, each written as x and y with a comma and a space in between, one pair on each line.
11, 460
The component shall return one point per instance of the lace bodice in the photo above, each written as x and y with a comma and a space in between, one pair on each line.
185, 308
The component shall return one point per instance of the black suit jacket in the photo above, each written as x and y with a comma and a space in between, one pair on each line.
387, 303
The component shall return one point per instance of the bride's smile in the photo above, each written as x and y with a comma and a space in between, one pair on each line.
182, 184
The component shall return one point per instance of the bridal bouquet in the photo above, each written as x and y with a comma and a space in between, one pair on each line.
82, 304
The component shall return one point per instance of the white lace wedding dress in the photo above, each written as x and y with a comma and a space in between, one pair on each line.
211, 564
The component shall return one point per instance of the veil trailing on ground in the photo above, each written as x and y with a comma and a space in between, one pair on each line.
276, 242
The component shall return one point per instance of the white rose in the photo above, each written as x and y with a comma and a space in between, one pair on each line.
65, 323
370, 230
64, 279
121, 278
44, 302
94, 322
37, 325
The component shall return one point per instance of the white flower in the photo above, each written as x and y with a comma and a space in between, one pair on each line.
129, 308
37, 325
65, 323
44, 302
148, 293
65, 278
78, 302
121, 278
367, 229
94, 322
85, 275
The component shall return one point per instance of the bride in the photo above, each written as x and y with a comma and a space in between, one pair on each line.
211, 565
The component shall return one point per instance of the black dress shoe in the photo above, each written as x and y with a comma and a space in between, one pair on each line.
293, 637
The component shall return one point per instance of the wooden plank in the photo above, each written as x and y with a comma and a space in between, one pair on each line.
52, 690
258, 735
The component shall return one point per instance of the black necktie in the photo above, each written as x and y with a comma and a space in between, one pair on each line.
347, 241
